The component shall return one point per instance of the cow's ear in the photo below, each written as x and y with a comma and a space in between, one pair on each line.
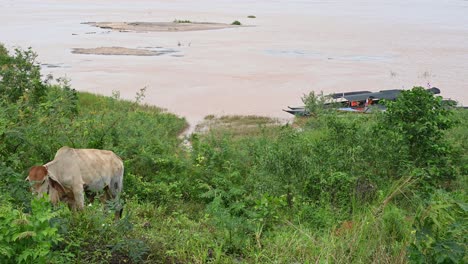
56, 185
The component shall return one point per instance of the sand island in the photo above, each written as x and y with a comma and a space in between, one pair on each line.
121, 51
174, 26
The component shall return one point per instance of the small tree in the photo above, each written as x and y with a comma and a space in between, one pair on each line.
20, 75
420, 118
314, 103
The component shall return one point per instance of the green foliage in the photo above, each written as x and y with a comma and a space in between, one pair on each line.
419, 119
395, 224
251, 16
287, 162
314, 103
12, 183
26, 238
20, 76
237, 23
233, 227
96, 237
338, 188
440, 231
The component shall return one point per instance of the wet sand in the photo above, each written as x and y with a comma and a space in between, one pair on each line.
293, 47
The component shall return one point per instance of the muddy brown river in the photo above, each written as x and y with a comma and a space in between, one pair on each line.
290, 48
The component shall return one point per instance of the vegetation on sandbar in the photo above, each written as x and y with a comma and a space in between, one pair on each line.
182, 21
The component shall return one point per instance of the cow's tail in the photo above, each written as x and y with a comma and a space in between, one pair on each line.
116, 186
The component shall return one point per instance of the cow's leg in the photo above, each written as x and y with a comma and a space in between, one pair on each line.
108, 196
72, 205
78, 193
70, 199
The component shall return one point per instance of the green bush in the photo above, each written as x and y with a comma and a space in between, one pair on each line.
440, 231
95, 236
396, 226
20, 76
27, 238
420, 119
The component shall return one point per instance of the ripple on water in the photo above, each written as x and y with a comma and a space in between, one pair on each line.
318, 55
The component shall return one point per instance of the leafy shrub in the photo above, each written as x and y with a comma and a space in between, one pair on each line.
237, 23
234, 229
338, 188
95, 236
314, 103
396, 226
20, 76
287, 162
440, 231
420, 118
27, 238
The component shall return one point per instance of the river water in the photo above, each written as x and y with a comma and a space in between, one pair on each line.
292, 47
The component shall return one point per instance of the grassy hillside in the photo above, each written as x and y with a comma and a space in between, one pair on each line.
330, 189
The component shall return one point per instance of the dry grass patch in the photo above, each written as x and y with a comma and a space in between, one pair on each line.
250, 125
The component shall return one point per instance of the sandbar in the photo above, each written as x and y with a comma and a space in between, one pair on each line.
159, 26
120, 51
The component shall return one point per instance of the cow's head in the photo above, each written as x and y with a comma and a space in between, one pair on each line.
37, 179
41, 183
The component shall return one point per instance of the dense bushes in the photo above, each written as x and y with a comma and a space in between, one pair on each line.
26, 238
440, 230
339, 188
20, 76
419, 119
